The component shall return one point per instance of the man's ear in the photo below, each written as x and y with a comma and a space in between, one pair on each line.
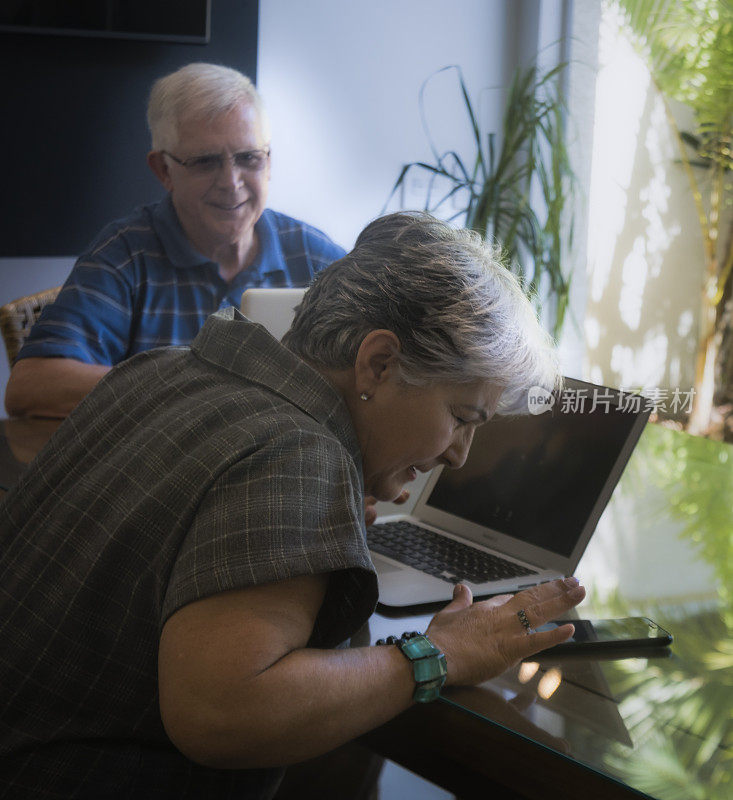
376, 360
159, 167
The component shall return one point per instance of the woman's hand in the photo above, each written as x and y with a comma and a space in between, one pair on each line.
481, 640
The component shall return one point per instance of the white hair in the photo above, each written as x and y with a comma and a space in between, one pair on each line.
458, 312
198, 90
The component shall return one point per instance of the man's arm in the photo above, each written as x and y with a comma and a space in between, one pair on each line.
239, 688
50, 387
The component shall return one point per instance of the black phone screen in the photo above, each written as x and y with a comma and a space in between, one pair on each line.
613, 632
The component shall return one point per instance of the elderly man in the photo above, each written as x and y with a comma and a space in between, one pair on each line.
151, 279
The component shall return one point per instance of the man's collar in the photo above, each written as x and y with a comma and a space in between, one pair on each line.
182, 254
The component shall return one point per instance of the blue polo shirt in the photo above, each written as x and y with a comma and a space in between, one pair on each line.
142, 285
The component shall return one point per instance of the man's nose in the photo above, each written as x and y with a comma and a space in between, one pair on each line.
229, 174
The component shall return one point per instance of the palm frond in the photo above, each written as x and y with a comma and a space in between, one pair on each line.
506, 167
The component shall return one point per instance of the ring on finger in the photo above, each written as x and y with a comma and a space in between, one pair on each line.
522, 614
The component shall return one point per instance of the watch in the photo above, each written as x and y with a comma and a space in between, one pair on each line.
429, 666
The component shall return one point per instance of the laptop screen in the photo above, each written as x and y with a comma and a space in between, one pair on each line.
538, 477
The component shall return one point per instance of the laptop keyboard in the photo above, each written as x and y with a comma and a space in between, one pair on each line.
438, 555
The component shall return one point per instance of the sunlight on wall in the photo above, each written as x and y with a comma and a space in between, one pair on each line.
645, 257
642, 366
656, 196
634, 281
622, 84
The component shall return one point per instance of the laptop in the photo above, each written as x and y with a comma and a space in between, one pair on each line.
521, 510
273, 308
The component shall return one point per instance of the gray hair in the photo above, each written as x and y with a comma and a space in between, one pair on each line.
200, 91
459, 314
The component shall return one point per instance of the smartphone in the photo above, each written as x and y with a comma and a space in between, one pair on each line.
609, 634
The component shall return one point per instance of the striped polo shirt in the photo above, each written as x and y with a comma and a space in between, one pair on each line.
142, 285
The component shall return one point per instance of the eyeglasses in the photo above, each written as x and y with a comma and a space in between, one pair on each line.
211, 163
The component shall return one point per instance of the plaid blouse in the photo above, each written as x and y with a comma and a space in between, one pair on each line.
186, 472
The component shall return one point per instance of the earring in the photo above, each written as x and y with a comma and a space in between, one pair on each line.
364, 396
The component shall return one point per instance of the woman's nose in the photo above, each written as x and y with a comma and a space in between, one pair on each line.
455, 456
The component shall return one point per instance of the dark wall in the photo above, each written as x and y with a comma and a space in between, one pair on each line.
73, 136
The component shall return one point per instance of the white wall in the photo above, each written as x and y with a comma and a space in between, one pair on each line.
580, 92
341, 82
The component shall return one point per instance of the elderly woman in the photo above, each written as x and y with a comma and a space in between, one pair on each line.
182, 560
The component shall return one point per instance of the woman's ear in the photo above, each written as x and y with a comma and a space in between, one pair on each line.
376, 360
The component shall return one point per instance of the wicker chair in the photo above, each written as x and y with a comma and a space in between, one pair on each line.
18, 316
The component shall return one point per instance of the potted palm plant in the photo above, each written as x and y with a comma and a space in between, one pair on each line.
515, 187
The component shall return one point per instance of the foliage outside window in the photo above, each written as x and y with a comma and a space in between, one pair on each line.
688, 48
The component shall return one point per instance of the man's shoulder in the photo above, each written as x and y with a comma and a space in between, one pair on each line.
133, 232
292, 230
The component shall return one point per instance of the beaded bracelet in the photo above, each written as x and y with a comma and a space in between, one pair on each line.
395, 639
